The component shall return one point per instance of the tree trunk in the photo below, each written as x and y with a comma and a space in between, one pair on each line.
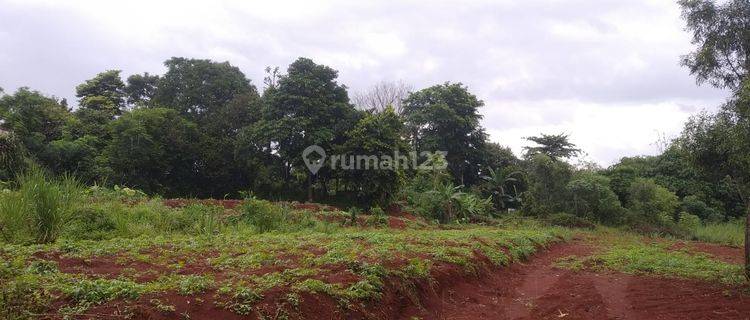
747, 242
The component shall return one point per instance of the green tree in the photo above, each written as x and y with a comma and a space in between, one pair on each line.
221, 101
197, 88
496, 156
154, 150
555, 146
376, 135
622, 174
308, 107
34, 118
721, 33
104, 93
446, 118
720, 147
548, 180
651, 203
591, 198
141, 88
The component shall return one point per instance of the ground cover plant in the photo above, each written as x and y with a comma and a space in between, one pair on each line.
124, 251
634, 254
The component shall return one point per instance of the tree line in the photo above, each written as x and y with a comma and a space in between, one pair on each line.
203, 129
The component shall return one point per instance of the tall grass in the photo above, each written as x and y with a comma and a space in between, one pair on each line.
13, 220
40, 208
728, 233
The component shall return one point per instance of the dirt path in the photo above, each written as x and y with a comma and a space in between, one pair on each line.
539, 290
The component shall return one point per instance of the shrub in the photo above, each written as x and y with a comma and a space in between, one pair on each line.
593, 199
432, 198
353, 213
689, 222
568, 220
650, 202
22, 298
693, 205
92, 224
377, 211
469, 205
263, 215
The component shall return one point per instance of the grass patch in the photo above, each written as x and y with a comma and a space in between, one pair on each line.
728, 233
656, 259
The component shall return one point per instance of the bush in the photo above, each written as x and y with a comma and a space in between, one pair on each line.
693, 205
263, 215
377, 211
568, 220
650, 202
593, 199
689, 222
22, 298
13, 156
91, 224
431, 195
470, 205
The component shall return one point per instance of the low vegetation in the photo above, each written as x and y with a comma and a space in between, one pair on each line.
634, 254
143, 249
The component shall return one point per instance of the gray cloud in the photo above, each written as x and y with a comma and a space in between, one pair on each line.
537, 64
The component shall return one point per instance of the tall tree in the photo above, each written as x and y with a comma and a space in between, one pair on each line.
547, 185
100, 100
154, 150
308, 107
720, 147
379, 135
104, 92
220, 100
141, 88
196, 87
446, 118
721, 33
556, 146
34, 118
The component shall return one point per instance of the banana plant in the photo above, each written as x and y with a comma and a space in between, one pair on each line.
447, 195
503, 186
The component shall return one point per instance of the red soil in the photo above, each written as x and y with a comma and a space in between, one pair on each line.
535, 289
538, 290
396, 223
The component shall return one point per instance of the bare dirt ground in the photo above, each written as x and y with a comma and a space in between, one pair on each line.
539, 290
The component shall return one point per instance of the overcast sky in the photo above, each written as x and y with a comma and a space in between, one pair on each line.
606, 72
